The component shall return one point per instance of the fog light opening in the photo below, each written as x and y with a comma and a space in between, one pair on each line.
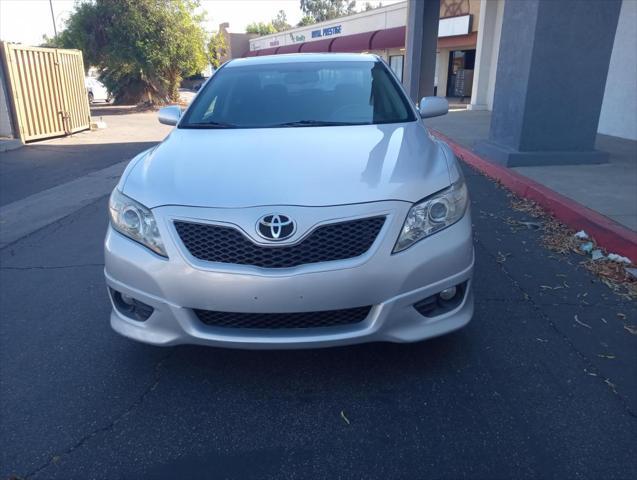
448, 293
442, 302
131, 307
126, 299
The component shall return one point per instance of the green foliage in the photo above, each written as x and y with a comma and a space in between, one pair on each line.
321, 10
142, 48
261, 28
306, 20
280, 22
217, 49
51, 42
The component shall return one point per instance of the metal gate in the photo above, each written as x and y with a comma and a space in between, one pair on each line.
46, 87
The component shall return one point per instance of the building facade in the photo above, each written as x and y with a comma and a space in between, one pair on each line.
382, 31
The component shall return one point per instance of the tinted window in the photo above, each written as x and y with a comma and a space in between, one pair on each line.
299, 94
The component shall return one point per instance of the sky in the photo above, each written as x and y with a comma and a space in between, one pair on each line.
26, 21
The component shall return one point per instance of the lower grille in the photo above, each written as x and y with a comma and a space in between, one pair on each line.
329, 318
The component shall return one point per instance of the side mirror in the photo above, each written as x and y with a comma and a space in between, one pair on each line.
169, 115
433, 107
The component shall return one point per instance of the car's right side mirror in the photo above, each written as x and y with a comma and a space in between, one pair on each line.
433, 107
169, 115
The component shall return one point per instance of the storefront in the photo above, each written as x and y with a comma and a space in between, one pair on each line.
382, 31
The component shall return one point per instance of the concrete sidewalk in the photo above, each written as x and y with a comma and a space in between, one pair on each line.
609, 189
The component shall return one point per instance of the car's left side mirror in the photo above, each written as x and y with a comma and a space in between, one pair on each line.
169, 115
433, 107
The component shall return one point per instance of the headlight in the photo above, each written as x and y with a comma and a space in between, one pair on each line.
433, 214
134, 220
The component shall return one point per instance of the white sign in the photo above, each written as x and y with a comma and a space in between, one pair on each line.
452, 26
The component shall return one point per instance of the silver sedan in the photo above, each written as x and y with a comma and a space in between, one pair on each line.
299, 202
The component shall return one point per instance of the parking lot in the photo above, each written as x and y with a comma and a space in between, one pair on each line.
541, 384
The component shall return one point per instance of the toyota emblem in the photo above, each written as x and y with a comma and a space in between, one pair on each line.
275, 227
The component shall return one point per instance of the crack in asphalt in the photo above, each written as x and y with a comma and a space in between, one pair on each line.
157, 370
590, 369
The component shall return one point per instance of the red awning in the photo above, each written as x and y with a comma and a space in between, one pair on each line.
317, 46
358, 42
290, 48
389, 38
267, 51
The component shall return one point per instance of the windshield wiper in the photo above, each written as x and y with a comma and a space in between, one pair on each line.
210, 124
315, 123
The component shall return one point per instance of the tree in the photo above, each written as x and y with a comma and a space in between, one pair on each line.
306, 20
142, 48
321, 10
280, 22
261, 28
369, 6
217, 49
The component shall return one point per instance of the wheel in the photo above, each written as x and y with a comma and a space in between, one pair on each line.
90, 97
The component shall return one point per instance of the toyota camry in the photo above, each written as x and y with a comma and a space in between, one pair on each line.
299, 202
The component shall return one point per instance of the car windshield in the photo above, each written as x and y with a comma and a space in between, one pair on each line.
299, 94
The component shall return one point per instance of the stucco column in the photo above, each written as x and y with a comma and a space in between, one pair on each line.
422, 38
443, 72
490, 23
551, 74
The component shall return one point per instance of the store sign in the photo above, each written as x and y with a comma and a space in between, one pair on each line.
327, 32
297, 38
452, 26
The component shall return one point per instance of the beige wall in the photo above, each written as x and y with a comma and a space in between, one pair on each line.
237, 43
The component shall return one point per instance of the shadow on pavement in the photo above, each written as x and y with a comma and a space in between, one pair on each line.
38, 167
99, 110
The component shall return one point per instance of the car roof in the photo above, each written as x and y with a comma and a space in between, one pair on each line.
302, 57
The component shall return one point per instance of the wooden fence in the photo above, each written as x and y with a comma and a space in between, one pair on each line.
46, 90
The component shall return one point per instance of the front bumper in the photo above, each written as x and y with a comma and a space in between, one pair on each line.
391, 284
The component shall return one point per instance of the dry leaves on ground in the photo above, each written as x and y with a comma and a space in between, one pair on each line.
561, 239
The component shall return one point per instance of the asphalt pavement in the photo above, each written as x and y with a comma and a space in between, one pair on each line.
541, 384
49, 163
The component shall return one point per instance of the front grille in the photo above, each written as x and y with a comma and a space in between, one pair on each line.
329, 318
336, 241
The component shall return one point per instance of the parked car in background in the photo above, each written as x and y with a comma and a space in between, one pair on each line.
300, 202
96, 90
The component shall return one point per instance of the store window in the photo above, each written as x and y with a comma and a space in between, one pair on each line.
460, 74
396, 64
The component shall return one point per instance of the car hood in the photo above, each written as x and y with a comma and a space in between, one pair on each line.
308, 166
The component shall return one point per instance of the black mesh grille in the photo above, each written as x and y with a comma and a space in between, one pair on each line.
329, 318
335, 241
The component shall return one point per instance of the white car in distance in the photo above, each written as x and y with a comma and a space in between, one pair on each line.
96, 90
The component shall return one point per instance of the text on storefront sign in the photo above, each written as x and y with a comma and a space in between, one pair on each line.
327, 31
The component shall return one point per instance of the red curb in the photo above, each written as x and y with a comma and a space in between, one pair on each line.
607, 233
